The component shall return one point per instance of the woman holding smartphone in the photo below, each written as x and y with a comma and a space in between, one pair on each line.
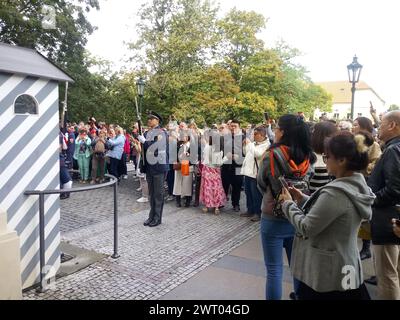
325, 257
292, 139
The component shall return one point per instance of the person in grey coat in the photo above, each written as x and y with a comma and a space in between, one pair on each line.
325, 257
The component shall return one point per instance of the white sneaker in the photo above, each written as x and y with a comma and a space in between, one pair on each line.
139, 189
142, 200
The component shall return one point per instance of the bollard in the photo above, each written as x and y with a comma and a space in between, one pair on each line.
10, 263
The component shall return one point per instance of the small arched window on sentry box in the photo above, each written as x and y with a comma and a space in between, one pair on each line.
26, 104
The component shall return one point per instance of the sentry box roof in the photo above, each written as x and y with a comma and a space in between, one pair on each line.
20, 60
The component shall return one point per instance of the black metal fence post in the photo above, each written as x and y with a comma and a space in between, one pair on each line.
42, 193
42, 240
115, 255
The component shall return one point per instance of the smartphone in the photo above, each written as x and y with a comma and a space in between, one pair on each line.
371, 107
283, 182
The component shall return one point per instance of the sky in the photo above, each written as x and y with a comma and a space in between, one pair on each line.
327, 32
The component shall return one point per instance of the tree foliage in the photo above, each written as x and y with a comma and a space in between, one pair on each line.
196, 65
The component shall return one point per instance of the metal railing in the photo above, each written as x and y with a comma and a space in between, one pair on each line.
41, 193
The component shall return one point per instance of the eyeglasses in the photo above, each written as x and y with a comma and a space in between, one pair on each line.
325, 158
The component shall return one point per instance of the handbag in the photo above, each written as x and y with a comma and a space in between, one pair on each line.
185, 168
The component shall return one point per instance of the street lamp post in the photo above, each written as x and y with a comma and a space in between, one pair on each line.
140, 84
354, 71
140, 89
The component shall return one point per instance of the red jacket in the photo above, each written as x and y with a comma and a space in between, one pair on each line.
127, 146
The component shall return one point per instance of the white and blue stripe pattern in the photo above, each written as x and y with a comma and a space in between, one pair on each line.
29, 161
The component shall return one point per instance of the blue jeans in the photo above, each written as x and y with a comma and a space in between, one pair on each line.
276, 235
253, 196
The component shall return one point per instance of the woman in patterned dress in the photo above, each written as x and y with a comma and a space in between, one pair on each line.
212, 194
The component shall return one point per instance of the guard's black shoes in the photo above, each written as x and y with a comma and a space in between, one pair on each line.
365, 254
154, 223
64, 196
147, 222
236, 208
371, 280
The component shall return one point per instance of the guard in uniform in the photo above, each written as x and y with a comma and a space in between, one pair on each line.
155, 144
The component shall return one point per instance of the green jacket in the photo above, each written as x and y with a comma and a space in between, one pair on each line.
88, 149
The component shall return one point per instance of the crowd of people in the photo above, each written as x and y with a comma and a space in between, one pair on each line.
315, 187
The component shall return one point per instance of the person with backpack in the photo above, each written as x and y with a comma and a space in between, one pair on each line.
254, 152
325, 257
98, 160
290, 156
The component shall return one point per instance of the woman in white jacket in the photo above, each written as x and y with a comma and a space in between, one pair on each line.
254, 152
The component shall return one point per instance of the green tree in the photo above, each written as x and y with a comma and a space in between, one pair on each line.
394, 107
294, 91
175, 37
21, 23
239, 40
209, 96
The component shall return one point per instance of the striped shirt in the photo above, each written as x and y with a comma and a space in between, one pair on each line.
319, 179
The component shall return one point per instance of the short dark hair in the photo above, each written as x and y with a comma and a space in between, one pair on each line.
365, 124
321, 131
235, 121
344, 145
262, 130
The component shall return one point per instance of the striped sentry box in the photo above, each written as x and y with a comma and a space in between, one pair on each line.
29, 159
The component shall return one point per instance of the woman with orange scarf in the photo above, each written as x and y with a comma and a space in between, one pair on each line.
293, 144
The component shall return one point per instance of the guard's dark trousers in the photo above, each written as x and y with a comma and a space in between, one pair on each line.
156, 194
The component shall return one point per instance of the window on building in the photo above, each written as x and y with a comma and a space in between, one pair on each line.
25, 104
336, 115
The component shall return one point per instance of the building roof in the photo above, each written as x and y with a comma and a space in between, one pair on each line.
20, 60
341, 90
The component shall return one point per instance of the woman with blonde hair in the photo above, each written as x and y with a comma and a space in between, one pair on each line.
364, 126
115, 144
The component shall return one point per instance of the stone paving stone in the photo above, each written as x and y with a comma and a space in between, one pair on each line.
153, 261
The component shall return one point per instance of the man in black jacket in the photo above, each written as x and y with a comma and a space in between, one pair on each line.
385, 183
233, 160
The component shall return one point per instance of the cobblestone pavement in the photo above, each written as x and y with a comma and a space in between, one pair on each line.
153, 261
